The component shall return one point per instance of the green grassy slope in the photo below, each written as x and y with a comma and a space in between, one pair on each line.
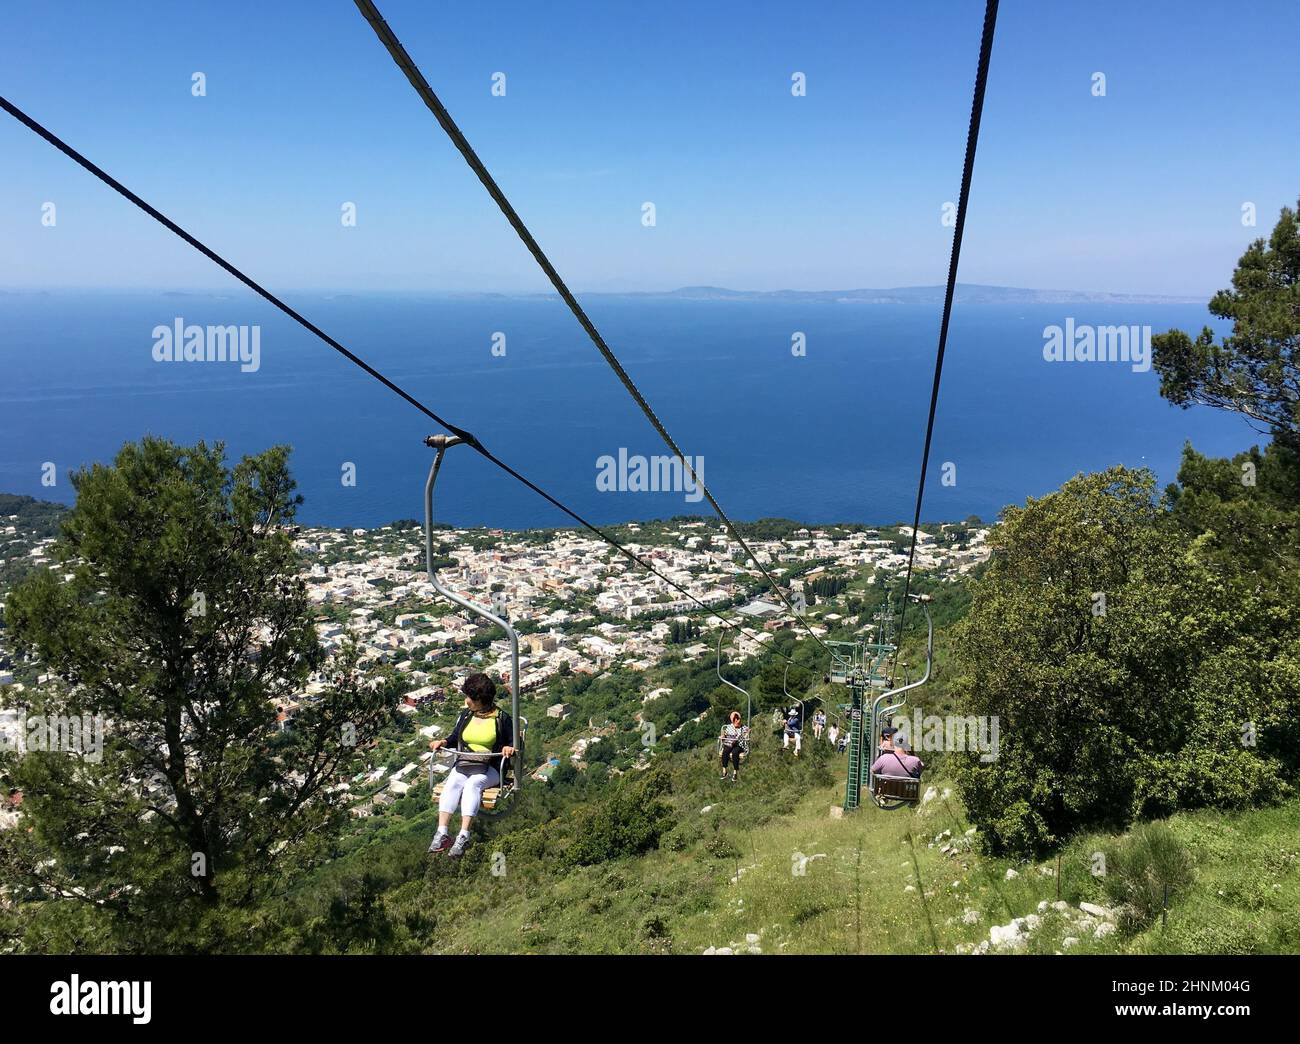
764, 866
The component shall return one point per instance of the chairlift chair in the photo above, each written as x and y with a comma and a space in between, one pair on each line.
749, 703
845, 661
512, 778
493, 797
889, 791
803, 713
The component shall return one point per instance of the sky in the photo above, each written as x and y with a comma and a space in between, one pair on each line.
609, 106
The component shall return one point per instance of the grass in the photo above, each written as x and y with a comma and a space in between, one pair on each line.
766, 858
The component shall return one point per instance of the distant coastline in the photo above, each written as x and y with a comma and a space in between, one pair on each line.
967, 293
21, 504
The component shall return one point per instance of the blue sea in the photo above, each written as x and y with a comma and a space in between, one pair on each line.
835, 435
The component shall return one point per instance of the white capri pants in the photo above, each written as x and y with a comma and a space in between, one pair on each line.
466, 790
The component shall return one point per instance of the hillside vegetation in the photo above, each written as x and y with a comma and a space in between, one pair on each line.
765, 858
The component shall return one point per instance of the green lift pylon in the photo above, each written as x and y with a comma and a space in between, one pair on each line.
863, 667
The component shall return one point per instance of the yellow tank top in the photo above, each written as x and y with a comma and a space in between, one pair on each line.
480, 734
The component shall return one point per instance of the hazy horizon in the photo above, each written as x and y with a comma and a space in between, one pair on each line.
1189, 297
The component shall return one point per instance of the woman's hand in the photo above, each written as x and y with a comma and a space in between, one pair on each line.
435, 744
508, 751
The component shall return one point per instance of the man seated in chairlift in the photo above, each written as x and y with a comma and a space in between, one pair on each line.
793, 730
894, 759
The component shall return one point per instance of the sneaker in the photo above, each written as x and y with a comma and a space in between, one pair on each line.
733, 777
440, 843
458, 849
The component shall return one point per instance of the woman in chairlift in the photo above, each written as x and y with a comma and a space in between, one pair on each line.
481, 740
733, 741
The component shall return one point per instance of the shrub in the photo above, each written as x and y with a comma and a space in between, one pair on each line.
721, 847
681, 837
1142, 868
628, 823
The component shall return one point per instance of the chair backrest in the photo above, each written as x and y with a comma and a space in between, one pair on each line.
897, 788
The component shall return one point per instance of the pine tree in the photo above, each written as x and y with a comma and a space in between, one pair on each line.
176, 617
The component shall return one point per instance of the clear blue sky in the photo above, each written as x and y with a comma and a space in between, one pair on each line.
685, 104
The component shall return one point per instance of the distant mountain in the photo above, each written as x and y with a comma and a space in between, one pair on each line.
967, 293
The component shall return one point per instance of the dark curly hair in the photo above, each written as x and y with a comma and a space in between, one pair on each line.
481, 689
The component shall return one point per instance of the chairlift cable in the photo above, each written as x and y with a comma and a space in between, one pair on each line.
217, 259
972, 140
469, 438
412, 72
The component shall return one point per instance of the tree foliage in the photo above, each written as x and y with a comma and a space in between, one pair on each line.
176, 617
1254, 371
1131, 674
